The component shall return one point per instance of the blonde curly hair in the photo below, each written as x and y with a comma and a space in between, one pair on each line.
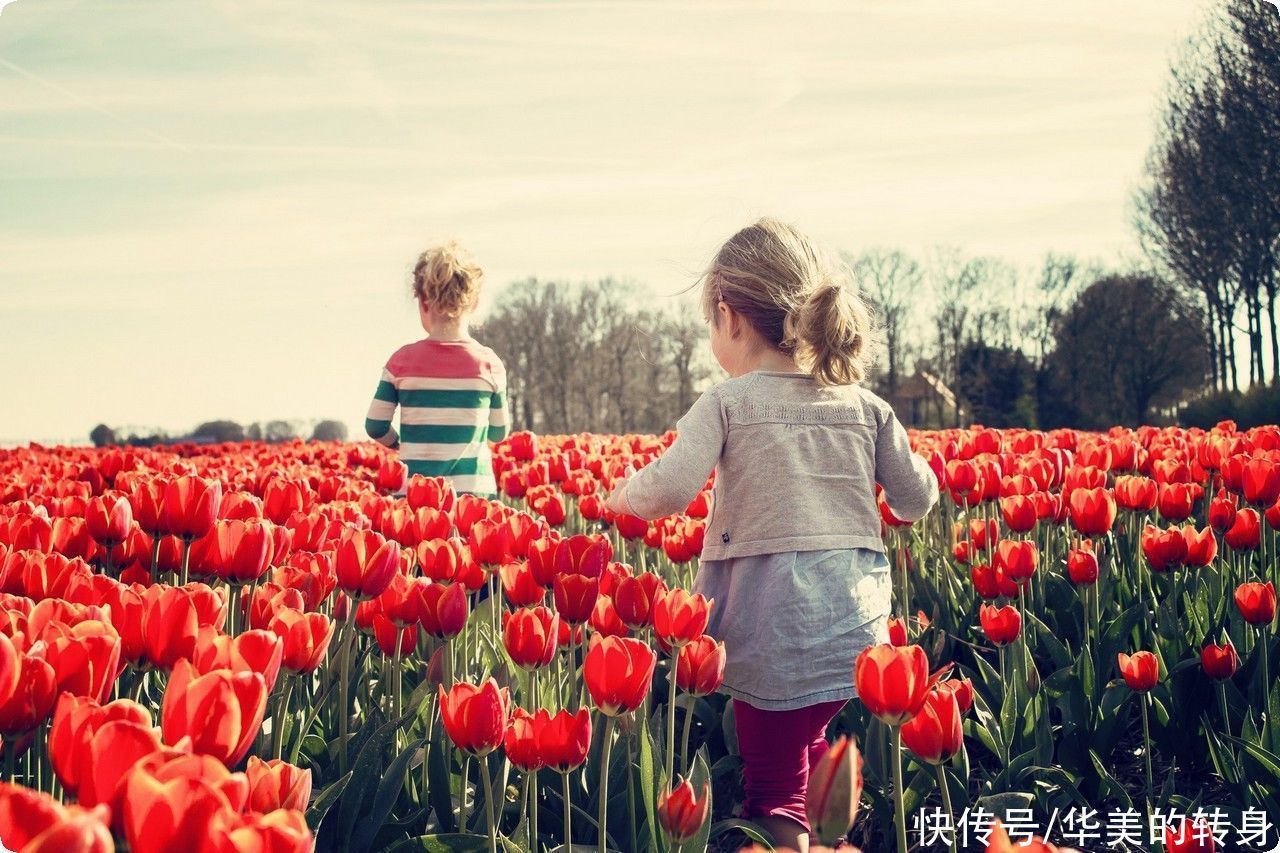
447, 279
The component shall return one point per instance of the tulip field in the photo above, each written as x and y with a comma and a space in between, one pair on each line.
292, 647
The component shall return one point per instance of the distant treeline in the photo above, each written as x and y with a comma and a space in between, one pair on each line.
216, 432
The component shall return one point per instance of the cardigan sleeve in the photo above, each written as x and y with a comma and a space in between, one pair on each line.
671, 481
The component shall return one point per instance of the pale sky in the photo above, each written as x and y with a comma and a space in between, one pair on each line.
209, 209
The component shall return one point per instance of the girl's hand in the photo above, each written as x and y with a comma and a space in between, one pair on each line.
615, 502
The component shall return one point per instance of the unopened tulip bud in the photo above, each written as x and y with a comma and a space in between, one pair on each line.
835, 788
682, 812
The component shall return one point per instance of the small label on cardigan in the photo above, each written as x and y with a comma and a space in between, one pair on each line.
724, 537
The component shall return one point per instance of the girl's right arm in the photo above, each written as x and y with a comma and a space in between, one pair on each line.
910, 488
377, 423
671, 481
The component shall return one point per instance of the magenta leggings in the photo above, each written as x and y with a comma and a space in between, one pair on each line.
779, 750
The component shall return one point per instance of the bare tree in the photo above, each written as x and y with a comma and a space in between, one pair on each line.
891, 280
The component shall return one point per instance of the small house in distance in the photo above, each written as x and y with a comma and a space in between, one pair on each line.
923, 401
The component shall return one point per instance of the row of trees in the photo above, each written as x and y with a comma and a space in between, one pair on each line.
1209, 213
216, 432
595, 356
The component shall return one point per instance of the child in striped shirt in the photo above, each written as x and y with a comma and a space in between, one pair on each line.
451, 390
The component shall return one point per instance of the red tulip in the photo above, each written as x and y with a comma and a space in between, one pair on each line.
1001, 625
583, 555
276, 784
305, 636
891, 681
220, 711
575, 597
1019, 513
391, 476
433, 492
92, 746
679, 617
175, 814
235, 551
475, 718
1260, 481
1219, 662
1256, 602
618, 672
1093, 511
519, 584
1164, 549
34, 822
936, 733
170, 625
564, 738
1202, 547
443, 610
1245, 533
85, 657
10, 668
635, 596
682, 812
1017, 558
700, 666
251, 651
1136, 494
1222, 512
530, 636
1082, 566
190, 507
31, 701
1189, 836
109, 519
392, 639
1141, 670
365, 563
520, 741
1176, 501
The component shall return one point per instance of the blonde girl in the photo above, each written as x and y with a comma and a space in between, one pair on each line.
793, 554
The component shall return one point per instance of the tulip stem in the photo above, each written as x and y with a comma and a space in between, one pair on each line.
277, 724
1266, 664
606, 747
899, 817
631, 796
684, 741
1222, 703
488, 805
946, 804
671, 715
532, 779
344, 679
186, 559
568, 812
9, 760
1146, 749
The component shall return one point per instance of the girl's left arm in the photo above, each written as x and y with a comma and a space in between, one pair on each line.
377, 424
499, 414
671, 481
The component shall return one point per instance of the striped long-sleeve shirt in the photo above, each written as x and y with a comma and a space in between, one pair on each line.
452, 400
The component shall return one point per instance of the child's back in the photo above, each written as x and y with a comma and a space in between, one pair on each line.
797, 461
451, 399
451, 390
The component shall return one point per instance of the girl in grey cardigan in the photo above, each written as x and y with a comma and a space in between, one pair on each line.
793, 555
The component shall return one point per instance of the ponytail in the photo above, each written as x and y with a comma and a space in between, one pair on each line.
830, 330
799, 300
